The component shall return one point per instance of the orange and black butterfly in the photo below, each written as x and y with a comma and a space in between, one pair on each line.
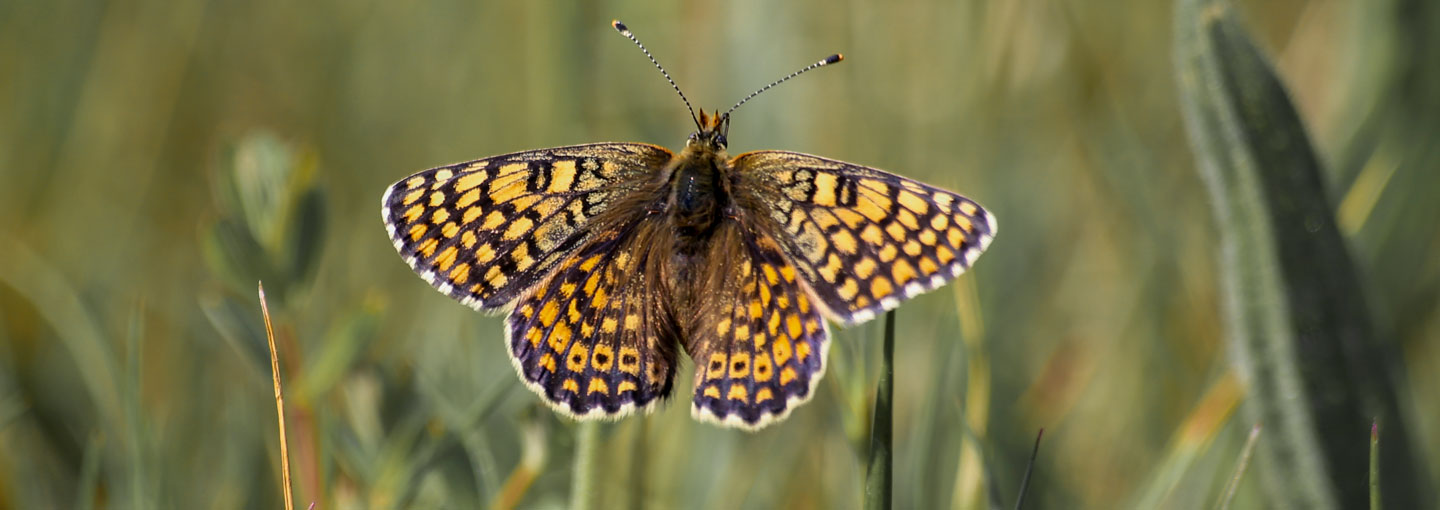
613, 258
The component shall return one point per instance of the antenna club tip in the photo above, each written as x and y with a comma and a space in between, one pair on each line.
619, 26
833, 58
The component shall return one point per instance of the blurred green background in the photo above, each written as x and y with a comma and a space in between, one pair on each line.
157, 157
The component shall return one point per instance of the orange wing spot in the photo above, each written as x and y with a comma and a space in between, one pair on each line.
722, 327
742, 332
468, 239
506, 187
867, 208
439, 216
865, 268
737, 392
442, 176
414, 182
942, 199
629, 360
571, 386
760, 340
575, 361
468, 198
534, 336
872, 235
802, 350
944, 254
470, 215
877, 191
902, 272
824, 219
851, 218
739, 365
413, 213
912, 248
831, 268
521, 254
812, 327
782, 350
844, 241
523, 203
597, 385
492, 220
968, 208
590, 263
527, 311
496, 277
592, 283
771, 276
427, 248
716, 367
517, 228
560, 337
471, 180
881, 287
511, 169
939, 222
418, 231
756, 310
928, 237
782, 301
625, 386
549, 313
927, 266
460, 274
825, 184
574, 311
562, 177
792, 326
548, 361
848, 290
600, 298
567, 289
964, 223
762, 368
449, 230
912, 202
712, 391
763, 394
896, 231
787, 375
787, 272
412, 196
774, 324
803, 302
437, 198
603, 358
485, 253
861, 302
609, 325
888, 253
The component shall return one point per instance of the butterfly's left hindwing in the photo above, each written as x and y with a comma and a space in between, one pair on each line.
485, 231
863, 239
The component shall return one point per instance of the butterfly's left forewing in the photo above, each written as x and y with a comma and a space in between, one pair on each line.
863, 239
485, 231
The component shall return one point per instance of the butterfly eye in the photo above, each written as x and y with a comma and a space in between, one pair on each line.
720, 140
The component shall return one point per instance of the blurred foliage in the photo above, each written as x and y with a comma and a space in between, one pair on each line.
142, 141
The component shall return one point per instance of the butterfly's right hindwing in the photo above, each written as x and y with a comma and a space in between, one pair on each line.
485, 231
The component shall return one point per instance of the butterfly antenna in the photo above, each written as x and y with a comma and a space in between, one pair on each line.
822, 63
625, 31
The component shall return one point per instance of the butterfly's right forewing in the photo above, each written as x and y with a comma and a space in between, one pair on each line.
485, 231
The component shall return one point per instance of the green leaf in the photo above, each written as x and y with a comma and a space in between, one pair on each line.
1297, 323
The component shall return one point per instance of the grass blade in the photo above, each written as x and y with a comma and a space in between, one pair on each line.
879, 481
1029, 469
279, 401
1244, 462
1375, 465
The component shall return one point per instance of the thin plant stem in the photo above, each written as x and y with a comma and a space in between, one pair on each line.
1029, 469
279, 401
1234, 484
879, 482
587, 446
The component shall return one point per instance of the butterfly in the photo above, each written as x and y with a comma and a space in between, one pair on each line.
611, 259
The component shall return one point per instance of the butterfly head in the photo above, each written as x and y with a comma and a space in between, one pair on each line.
712, 131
